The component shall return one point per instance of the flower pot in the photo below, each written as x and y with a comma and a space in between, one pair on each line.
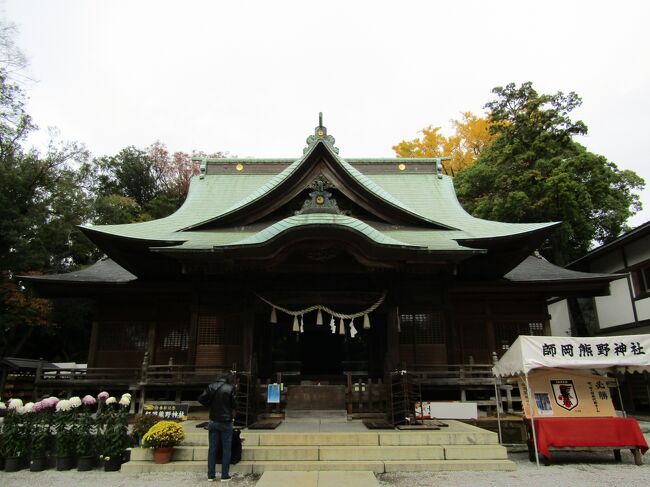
162, 455
38, 464
113, 464
14, 464
86, 463
64, 463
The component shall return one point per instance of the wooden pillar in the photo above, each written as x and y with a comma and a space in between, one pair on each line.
194, 326
392, 339
3, 380
489, 324
92, 349
248, 327
151, 342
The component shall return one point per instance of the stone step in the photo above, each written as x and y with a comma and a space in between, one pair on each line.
139, 466
245, 467
388, 438
321, 415
450, 465
339, 453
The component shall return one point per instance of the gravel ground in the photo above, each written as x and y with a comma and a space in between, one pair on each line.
568, 469
580, 468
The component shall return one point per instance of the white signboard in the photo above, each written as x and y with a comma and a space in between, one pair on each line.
630, 353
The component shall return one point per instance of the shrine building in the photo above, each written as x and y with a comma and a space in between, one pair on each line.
314, 267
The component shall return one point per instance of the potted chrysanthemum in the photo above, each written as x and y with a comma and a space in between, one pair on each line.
3, 413
15, 441
141, 425
113, 430
40, 434
87, 429
163, 437
67, 432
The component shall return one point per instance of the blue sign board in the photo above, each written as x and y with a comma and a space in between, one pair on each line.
273, 394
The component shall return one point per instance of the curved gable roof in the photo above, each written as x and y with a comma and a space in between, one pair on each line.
292, 180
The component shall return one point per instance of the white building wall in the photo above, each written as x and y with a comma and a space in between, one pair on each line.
615, 309
643, 309
560, 321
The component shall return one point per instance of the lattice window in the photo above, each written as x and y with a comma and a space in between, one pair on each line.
507, 333
219, 330
176, 338
211, 331
423, 328
123, 336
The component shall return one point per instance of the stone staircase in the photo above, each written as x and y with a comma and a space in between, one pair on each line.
335, 445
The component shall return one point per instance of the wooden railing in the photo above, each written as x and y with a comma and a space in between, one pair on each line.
464, 378
147, 375
363, 394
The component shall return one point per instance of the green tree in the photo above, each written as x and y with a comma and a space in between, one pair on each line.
534, 171
42, 200
140, 184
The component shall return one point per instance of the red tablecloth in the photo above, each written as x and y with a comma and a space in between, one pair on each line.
566, 432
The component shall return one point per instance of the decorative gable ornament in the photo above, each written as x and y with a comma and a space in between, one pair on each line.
320, 200
320, 134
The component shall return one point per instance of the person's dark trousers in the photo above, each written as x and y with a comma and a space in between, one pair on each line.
219, 431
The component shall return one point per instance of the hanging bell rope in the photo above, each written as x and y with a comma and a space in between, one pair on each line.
328, 310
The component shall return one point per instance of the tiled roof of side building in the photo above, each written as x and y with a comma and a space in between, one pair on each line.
103, 271
536, 269
532, 269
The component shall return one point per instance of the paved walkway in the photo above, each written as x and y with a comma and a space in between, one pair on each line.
317, 479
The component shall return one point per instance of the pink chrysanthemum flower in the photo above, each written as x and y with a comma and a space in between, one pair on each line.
89, 400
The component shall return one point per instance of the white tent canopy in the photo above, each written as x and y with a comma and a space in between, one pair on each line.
627, 353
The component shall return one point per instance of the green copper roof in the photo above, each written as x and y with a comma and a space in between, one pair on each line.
429, 196
320, 219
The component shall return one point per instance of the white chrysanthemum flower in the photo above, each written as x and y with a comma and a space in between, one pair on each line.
125, 401
3, 405
63, 405
15, 403
111, 400
29, 407
127, 395
75, 401
21, 410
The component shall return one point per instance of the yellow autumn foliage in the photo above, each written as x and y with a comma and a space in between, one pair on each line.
472, 135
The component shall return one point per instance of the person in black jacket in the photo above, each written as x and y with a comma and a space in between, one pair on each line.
220, 398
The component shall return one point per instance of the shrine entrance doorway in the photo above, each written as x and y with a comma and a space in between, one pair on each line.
316, 354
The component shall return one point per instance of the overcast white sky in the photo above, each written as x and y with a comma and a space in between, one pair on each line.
250, 77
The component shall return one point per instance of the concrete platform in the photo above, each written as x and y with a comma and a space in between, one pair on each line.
318, 479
